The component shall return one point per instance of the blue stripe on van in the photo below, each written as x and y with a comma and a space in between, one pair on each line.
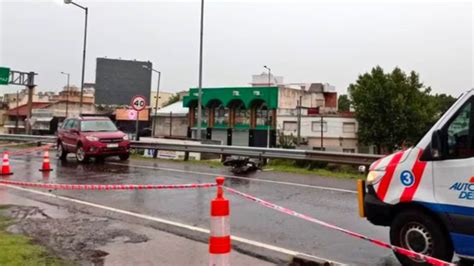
450, 209
463, 244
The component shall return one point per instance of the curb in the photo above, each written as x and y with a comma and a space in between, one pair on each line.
303, 260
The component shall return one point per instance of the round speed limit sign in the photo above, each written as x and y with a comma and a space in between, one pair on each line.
138, 103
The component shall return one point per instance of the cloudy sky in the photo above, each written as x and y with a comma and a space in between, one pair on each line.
304, 41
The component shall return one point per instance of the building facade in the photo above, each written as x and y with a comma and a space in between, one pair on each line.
329, 132
164, 98
48, 109
171, 121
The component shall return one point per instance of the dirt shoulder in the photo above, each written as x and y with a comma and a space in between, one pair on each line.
18, 249
77, 238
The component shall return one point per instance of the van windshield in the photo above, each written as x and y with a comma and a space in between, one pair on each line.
98, 125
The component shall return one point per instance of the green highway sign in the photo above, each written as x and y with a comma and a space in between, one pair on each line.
4, 75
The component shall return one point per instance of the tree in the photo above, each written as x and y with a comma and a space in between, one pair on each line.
392, 109
442, 102
174, 98
343, 103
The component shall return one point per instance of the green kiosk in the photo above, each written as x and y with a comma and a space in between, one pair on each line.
244, 116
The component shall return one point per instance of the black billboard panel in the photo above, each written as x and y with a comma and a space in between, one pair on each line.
117, 81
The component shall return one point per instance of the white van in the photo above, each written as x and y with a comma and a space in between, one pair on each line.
426, 193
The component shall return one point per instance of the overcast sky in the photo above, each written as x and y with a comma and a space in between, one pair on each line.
303, 41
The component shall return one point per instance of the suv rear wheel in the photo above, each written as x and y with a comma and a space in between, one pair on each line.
81, 155
417, 231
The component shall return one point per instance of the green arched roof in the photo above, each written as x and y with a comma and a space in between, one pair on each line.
225, 95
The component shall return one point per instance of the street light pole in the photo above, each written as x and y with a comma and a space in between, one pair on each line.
157, 98
269, 74
83, 51
17, 111
199, 120
67, 92
268, 110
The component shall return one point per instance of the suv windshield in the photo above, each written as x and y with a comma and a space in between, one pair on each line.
98, 125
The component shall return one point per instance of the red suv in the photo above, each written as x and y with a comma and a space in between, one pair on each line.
92, 137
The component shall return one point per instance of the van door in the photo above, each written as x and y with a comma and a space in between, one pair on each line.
454, 177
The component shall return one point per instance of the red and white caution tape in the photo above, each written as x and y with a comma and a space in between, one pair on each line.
105, 187
406, 252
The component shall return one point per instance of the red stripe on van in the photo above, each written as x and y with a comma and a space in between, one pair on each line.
387, 178
417, 170
472, 179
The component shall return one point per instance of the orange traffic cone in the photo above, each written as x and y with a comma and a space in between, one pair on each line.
46, 166
6, 165
219, 240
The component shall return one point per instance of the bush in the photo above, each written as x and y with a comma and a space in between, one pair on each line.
286, 141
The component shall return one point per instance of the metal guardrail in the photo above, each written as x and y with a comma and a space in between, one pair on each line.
273, 153
28, 138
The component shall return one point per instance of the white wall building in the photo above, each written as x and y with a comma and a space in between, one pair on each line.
265, 81
339, 133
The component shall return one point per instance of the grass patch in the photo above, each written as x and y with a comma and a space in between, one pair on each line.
19, 250
290, 166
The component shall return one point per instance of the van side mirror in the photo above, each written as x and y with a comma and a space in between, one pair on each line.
436, 145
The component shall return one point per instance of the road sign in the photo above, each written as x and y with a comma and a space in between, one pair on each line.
4, 75
138, 103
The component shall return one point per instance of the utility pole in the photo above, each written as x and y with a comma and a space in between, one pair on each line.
156, 104
298, 133
268, 110
17, 111
171, 124
31, 86
67, 96
199, 120
322, 133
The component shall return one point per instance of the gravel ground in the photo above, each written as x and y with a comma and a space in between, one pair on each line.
76, 238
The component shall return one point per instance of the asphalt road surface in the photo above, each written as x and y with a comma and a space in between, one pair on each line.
329, 199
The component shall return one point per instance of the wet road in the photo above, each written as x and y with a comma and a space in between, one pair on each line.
306, 194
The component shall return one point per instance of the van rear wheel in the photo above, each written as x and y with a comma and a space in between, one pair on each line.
466, 262
417, 231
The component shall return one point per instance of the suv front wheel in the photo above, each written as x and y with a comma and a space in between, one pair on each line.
61, 152
81, 154
124, 157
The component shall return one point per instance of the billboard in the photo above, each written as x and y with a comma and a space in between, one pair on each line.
131, 115
117, 81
